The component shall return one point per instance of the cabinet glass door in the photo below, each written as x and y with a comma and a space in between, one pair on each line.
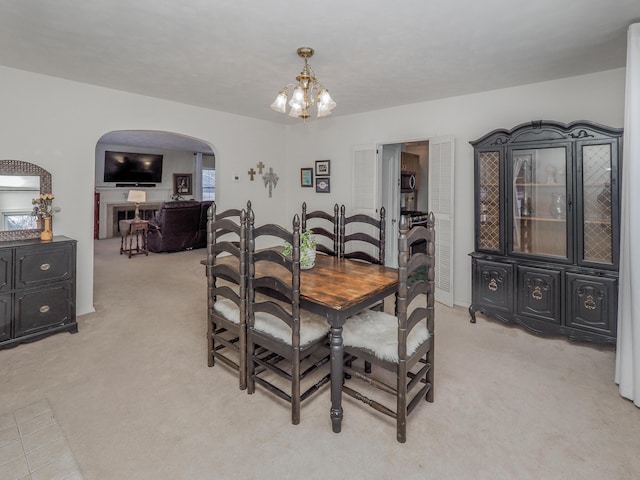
489, 201
539, 202
596, 203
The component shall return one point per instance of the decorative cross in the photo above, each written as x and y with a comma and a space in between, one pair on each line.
260, 167
270, 180
251, 173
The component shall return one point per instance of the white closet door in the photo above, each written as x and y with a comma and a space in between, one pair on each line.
441, 204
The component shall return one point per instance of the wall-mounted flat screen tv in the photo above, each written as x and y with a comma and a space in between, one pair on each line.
124, 167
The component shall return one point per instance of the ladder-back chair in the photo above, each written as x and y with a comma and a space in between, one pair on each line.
321, 229
285, 344
402, 344
227, 289
352, 245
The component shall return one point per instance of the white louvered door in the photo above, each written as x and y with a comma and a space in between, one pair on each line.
365, 189
441, 204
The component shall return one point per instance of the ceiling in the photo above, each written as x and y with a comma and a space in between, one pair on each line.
234, 55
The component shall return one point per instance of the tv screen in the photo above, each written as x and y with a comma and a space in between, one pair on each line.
127, 167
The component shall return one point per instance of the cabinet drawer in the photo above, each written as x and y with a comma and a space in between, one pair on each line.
5, 270
539, 294
493, 285
39, 310
45, 264
5, 317
592, 304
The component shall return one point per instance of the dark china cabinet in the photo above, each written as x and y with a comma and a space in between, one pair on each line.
547, 228
37, 289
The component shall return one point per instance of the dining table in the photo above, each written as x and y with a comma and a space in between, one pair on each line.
337, 289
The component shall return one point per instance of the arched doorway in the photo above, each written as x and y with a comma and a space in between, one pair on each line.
181, 156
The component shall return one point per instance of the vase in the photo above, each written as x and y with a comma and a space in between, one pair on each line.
557, 209
46, 233
307, 259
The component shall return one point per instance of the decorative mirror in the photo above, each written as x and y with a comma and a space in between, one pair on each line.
20, 182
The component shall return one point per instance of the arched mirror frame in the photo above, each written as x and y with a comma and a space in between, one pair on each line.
18, 167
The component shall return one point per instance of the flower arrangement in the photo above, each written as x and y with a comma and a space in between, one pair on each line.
307, 249
42, 206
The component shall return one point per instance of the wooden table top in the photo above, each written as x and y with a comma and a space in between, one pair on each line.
340, 284
335, 283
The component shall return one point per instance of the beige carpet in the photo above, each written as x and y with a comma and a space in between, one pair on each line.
135, 399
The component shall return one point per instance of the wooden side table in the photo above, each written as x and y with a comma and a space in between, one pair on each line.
130, 229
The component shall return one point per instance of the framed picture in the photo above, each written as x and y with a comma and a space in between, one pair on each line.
323, 185
323, 168
182, 184
306, 177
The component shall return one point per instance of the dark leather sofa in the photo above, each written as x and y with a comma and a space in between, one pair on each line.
180, 225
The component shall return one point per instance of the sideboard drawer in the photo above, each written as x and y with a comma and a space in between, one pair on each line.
42, 309
46, 264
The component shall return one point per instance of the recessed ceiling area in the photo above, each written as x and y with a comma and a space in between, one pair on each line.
157, 140
235, 55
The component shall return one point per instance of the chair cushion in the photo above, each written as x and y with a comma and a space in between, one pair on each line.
312, 327
378, 332
228, 309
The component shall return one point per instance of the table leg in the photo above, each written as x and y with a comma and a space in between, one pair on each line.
337, 351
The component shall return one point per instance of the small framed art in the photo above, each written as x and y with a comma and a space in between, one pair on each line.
182, 184
323, 168
306, 177
323, 185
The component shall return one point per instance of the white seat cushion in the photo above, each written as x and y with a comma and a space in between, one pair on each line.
228, 309
378, 332
312, 327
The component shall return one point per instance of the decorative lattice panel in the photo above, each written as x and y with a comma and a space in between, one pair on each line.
489, 201
596, 177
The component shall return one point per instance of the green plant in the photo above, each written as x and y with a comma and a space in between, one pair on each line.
307, 242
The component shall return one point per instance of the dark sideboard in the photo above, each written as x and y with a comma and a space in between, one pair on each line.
37, 289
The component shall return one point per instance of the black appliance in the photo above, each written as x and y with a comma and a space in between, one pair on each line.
407, 182
415, 218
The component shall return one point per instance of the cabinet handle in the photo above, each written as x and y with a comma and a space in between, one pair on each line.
45, 266
44, 308
537, 293
493, 285
590, 303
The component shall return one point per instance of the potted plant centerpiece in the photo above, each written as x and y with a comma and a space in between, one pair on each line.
307, 250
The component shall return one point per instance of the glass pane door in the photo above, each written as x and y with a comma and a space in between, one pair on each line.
539, 202
596, 199
489, 205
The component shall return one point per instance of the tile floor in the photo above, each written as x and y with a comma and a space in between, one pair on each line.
33, 447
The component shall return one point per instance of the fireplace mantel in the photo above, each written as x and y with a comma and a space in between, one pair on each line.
147, 210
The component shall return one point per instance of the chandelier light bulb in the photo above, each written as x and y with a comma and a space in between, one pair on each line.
280, 103
305, 93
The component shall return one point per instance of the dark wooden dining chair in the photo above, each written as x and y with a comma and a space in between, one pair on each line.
326, 233
285, 343
227, 289
402, 344
366, 238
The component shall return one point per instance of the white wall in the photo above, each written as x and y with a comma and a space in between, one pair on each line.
56, 124
597, 97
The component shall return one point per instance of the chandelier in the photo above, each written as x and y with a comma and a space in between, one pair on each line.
307, 92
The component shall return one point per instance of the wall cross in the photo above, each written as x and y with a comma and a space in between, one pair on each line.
260, 167
270, 180
251, 173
